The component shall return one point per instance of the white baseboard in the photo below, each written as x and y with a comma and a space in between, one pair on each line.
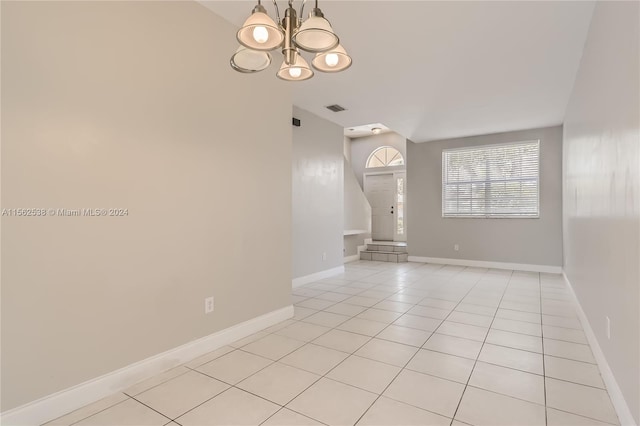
65, 401
297, 282
484, 264
352, 258
617, 398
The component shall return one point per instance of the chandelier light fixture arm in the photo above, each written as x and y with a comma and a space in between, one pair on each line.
301, 6
275, 6
260, 34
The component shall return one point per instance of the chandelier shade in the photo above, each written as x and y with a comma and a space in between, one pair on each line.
316, 35
260, 32
297, 71
249, 61
334, 60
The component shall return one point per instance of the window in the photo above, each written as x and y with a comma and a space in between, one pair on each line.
384, 157
492, 181
400, 206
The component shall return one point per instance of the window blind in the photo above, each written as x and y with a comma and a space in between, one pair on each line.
487, 181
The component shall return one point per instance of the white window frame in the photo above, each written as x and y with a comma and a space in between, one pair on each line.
446, 215
373, 153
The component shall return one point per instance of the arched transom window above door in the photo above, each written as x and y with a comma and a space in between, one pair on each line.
385, 156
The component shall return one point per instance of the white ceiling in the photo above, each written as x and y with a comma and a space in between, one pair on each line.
435, 70
365, 130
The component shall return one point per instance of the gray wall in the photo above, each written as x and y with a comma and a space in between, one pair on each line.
351, 243
361, 148
347, 149
357, 210
528, 241
318, 185
602, 189
133, 105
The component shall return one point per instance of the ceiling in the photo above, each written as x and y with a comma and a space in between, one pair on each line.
432, 70
366, 130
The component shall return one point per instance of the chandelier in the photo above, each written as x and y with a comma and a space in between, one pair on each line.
260, 34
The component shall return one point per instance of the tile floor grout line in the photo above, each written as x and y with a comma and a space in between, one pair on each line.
231, 386
538, 404
91, 415
161, 383
479, 352
151, 408
353, 354
544, 371
586, 417
421, 293
441, 320
285, 408
320, 376
372, 307
405, 367
220, 393
324, 376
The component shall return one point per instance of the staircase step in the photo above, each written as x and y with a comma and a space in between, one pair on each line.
387, 248
394, 257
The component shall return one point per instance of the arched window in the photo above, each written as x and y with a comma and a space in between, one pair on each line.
385, 156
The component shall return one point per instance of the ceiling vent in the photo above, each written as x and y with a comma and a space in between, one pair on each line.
335, 108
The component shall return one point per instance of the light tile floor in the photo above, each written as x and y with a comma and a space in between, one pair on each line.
390, 344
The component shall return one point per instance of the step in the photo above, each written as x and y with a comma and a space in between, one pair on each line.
387, 248
384, 256
389, 243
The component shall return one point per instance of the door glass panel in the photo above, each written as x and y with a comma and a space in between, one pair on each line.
384, 157
400, 206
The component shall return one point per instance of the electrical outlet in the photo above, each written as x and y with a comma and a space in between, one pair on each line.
208, 305
608, 328
324, 256
456, 247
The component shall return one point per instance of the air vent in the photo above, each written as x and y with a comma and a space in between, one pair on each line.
335, 108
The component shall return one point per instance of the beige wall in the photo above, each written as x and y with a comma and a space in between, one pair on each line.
602, 189
318, 187
133, 105
525, 241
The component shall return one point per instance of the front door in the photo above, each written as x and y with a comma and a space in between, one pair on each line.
380, 190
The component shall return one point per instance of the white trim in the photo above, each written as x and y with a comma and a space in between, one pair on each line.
353, 257
617, 398
355, 232
55, 405
394, 174
386, 171
297, 282
487, 145
380, 148
489, 215
484, 264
